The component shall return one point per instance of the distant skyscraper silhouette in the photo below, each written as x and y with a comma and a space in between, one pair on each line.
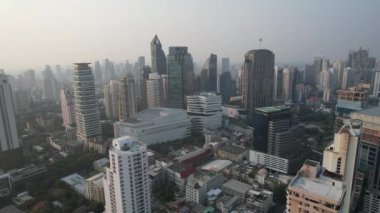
225, 65
227, 86
111, 94
257, 80
49, 84
180, 64
158, 57
97, 72
87, 113
209, 74
67, 107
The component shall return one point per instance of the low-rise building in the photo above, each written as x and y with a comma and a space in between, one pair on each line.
101, 164
198, 185
275, 163
195, 158
227, 203
75, 181
178, 173
94, 189
259, 200
233, 153
236, 188
25, 175
216, 165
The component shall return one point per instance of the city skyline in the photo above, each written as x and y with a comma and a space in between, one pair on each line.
34, 35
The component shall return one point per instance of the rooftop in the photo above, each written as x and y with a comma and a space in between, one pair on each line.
217, 165
233, 149
153, 113
75, 181
374, 111
127, 144
237, 186
272, 109
97, 179
322, 186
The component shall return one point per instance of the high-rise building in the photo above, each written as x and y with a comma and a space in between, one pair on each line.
209, 74
340, 158
348, 78
10, 153
127, 98
351, 100
326, 84
180, 64
29, 79
376, 84
86, 109
49, 84
154, 89
68, 107
257, 80
111, 95
227, 87
205, 111
369, 156
164, 89
94, 189
158, 57
278, 83
21, 100
318, 67
338, 73
97, 73
225, 65
315, 190
309, 75
126, 184
142, 93
359, 61
287, 84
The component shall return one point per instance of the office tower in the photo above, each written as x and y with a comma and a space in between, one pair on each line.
205, 111
180, 65
372, 62
49, 84
338, 73
141, 62
225, 65
21, 101
310, 75
369, 155
227, 87
348, 78
359, 62
86, 109
109, 70
314, 190
376, 84
154, 90
111, 94
257, 80
326, 82
209, 74
68, 107
318, 67
164, 89
29, 79
278, 83
158, 57
340, 158
126, 184
127, 98
97, 73
59, 74
10, 153
142, 94
287, 84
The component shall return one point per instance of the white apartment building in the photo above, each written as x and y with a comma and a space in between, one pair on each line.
67, 107
126, 183
205, 111
154, 90
93, 188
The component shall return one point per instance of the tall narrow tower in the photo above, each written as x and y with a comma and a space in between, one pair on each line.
87, 113
126, 184
158, 56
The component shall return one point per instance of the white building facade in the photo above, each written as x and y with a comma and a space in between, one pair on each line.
205, 111
155, 125
126, 184
154, 89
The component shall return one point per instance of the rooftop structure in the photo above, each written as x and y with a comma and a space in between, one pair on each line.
155, 125
217, 165
75, 181
235, 187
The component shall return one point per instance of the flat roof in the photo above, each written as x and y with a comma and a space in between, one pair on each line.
322, 186
233, 149
97, 179
76, 181
217, 165
374, 111
237, 186
272, 108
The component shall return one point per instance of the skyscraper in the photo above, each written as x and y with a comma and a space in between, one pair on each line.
10, 154
318, 67
287, 84
154, 89
29, 79
111, 94
227, 86
127, 98
87, 113
97, 73
310, 75
49, 84
158, 56
326, 84
278, 83
359, 61
209, 74
109, 70
67, 107
257, 80
225, 65
126, 184
180, 65
338, 73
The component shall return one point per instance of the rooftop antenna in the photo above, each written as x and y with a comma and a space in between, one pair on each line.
260, 40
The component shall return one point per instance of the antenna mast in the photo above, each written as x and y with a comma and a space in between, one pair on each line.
260, 40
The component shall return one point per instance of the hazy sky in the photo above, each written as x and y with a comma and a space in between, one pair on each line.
38, 32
